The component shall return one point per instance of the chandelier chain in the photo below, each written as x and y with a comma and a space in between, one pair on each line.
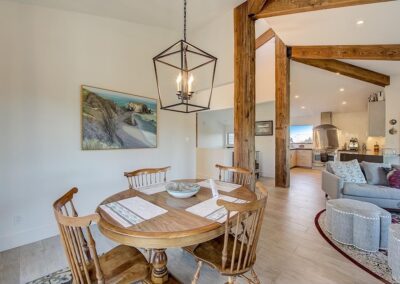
184, 20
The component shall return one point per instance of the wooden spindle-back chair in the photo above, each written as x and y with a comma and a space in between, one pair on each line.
234, 254
80, 248
234, 175
145, 177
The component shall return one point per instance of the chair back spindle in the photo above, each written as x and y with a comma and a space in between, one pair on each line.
79, 250
234, 175
146, 177
239, 249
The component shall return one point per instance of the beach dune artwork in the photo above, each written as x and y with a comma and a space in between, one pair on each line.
114, 120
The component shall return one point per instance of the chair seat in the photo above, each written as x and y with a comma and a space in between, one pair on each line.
211, 253
122, 264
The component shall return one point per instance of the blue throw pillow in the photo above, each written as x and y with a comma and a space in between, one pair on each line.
348, 171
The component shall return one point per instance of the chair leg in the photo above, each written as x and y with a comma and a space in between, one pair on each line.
254, 276
231, 280
150, 252
197, 274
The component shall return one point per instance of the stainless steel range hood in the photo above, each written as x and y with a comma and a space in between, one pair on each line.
326, 135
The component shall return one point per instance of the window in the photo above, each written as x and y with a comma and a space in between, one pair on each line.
301, 134
230, 139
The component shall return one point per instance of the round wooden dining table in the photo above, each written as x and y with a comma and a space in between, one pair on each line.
175, 229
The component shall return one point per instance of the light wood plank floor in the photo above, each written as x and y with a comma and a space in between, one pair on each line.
290, 248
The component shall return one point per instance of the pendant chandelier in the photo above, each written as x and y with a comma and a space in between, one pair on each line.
185, 76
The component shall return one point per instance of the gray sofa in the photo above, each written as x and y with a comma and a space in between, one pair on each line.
381, 195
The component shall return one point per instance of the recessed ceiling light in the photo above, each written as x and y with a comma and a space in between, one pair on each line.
344, 103
360, 22
296, 96
337, 73
341, 89
303, 107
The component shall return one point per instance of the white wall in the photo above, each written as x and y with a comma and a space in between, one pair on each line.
392, 94
212, 129
207, 158
45, 56
266, 144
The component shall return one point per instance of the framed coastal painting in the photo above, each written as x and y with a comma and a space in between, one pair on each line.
264, 128
115, 120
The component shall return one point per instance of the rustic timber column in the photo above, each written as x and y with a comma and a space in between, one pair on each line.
244, 85
282, 114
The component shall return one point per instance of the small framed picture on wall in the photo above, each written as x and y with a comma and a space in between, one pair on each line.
264, 128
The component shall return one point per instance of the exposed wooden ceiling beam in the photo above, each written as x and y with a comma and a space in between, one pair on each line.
348, 70
264, 38
364, 52
255, 6
278, 7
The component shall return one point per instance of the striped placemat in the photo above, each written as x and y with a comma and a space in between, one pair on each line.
153, 189
210, 210
132, 211
222, 186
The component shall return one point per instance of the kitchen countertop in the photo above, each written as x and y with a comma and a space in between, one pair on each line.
310, 149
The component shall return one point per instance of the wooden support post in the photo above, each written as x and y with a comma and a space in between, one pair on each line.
282, 114
244, 89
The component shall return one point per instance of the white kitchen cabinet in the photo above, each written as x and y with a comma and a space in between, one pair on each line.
376, 118
292, 158
304, 158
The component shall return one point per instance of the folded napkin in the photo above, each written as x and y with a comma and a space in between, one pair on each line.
222, 186
153, 189
132, 211
210, 210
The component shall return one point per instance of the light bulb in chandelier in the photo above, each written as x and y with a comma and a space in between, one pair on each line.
184, 86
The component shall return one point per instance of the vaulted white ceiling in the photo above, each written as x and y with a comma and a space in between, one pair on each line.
319, 90
161, 13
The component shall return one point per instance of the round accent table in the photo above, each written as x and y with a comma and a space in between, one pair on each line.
394, 251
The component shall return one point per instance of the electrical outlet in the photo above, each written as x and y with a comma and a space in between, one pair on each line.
17, 220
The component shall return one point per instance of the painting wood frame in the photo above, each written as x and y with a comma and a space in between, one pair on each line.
268, 125
117, 120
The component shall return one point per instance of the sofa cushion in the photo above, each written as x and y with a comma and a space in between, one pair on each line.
348, 171
393, 178
375, 173
371, 191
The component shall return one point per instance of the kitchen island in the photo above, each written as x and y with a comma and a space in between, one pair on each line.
367, 156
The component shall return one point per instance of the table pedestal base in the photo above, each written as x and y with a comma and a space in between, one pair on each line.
159, 273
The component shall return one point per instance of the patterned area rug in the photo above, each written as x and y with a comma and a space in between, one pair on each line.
62, 276
375, 264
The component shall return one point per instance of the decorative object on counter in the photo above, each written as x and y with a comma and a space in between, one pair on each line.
116, 120
381, 96
376, 147
373, 98
364, 148
264, 128
392, 130
353, 145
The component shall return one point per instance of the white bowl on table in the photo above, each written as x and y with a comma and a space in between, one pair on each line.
182, 189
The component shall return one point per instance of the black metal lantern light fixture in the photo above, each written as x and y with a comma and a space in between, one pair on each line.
185, 76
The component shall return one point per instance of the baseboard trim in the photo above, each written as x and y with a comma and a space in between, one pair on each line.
26, 237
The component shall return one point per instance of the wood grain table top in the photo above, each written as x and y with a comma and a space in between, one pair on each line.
176, 228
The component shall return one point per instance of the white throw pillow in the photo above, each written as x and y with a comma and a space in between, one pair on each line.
348, 171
